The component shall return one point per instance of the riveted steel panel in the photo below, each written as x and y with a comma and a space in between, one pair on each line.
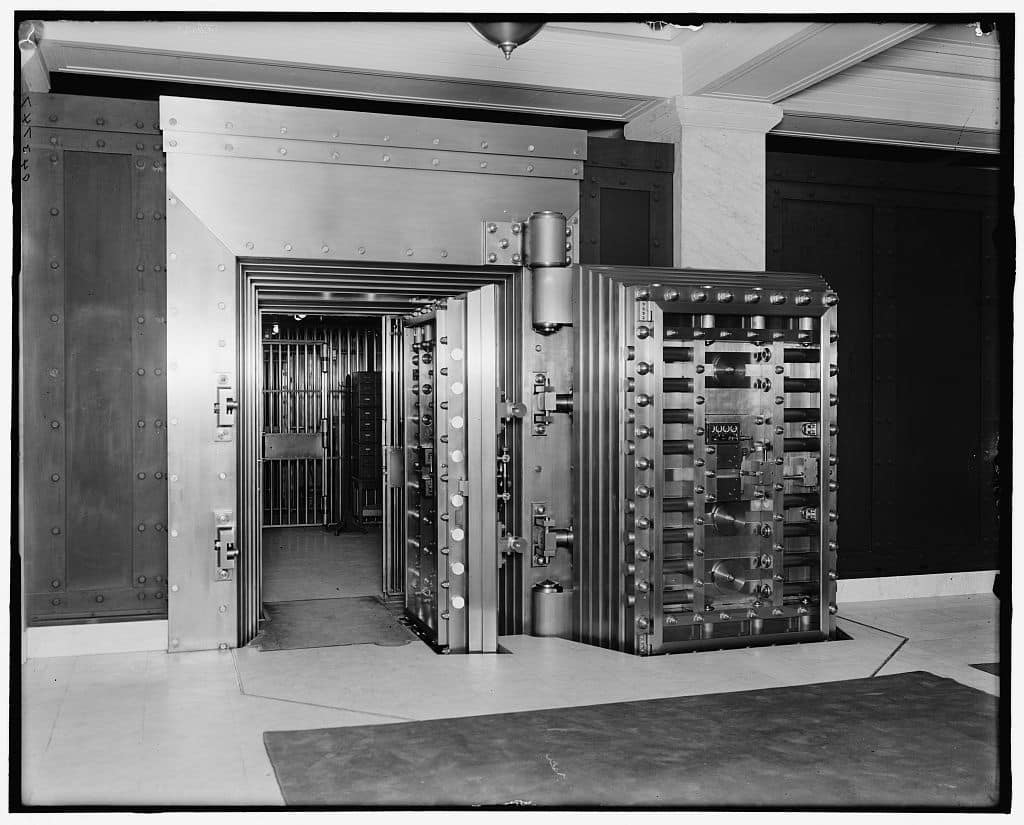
42, 365
300, 230
369, 129
98, 192
268, 208
201, 343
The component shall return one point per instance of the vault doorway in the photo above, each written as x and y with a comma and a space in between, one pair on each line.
325, 502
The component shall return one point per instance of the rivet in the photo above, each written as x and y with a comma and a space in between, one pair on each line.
491, 258
361, 250
174, 421
575, 170
55, 477
282, 151
53, 118
222, 476
139, 124
174, 533
483, 164
54, 265
157, 216
249, 244
530, 148
55, 211
229, 147
54, 425
434, 162
100, 121
229, 125
55, 531
174, 588
387, 138
173, 121
173, 256
222, 646
140, 371
529, 168
221, 305
284, 130
408, 252
55, 583
158, 371
141, 319
55, 602
140, 164
174, 477
220, 267
140, 146
158, 423
386, 158
54, 319
140, 424
101, 143
444, 253
173, 142
53, 141
175, 642
140, 215
158, 268
223, 609
99, 599
156, 164
158, 474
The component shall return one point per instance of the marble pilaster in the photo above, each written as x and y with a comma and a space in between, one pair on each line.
719, 185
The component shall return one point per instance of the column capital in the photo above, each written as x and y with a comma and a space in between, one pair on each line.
725, 113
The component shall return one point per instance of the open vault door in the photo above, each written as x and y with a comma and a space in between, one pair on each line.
450, 402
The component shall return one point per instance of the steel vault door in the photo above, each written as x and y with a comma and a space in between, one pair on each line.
450, 433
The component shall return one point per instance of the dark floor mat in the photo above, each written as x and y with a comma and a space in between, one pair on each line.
911, 739
330, 622
988, 667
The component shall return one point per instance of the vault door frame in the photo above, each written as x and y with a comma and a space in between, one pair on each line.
284, 287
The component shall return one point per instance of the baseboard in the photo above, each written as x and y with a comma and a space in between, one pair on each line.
87, 639
915, 587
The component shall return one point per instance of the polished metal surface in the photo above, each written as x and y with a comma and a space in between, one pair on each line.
706, 491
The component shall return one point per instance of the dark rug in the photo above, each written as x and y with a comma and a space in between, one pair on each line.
355, 620
911, 739
988, 667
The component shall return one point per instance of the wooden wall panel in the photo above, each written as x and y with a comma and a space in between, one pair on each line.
909, 246
93, 359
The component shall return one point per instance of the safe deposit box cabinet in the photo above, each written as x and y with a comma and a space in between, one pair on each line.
660, 444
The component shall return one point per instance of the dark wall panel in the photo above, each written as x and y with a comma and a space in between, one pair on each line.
836, 238
98, 355
93, 360
626, 203
910, 249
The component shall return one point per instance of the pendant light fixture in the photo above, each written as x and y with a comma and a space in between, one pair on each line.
507, 36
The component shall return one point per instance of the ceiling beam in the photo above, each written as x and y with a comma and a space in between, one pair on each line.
561, 71
769, 62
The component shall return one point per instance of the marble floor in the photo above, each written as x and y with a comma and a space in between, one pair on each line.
186, 729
